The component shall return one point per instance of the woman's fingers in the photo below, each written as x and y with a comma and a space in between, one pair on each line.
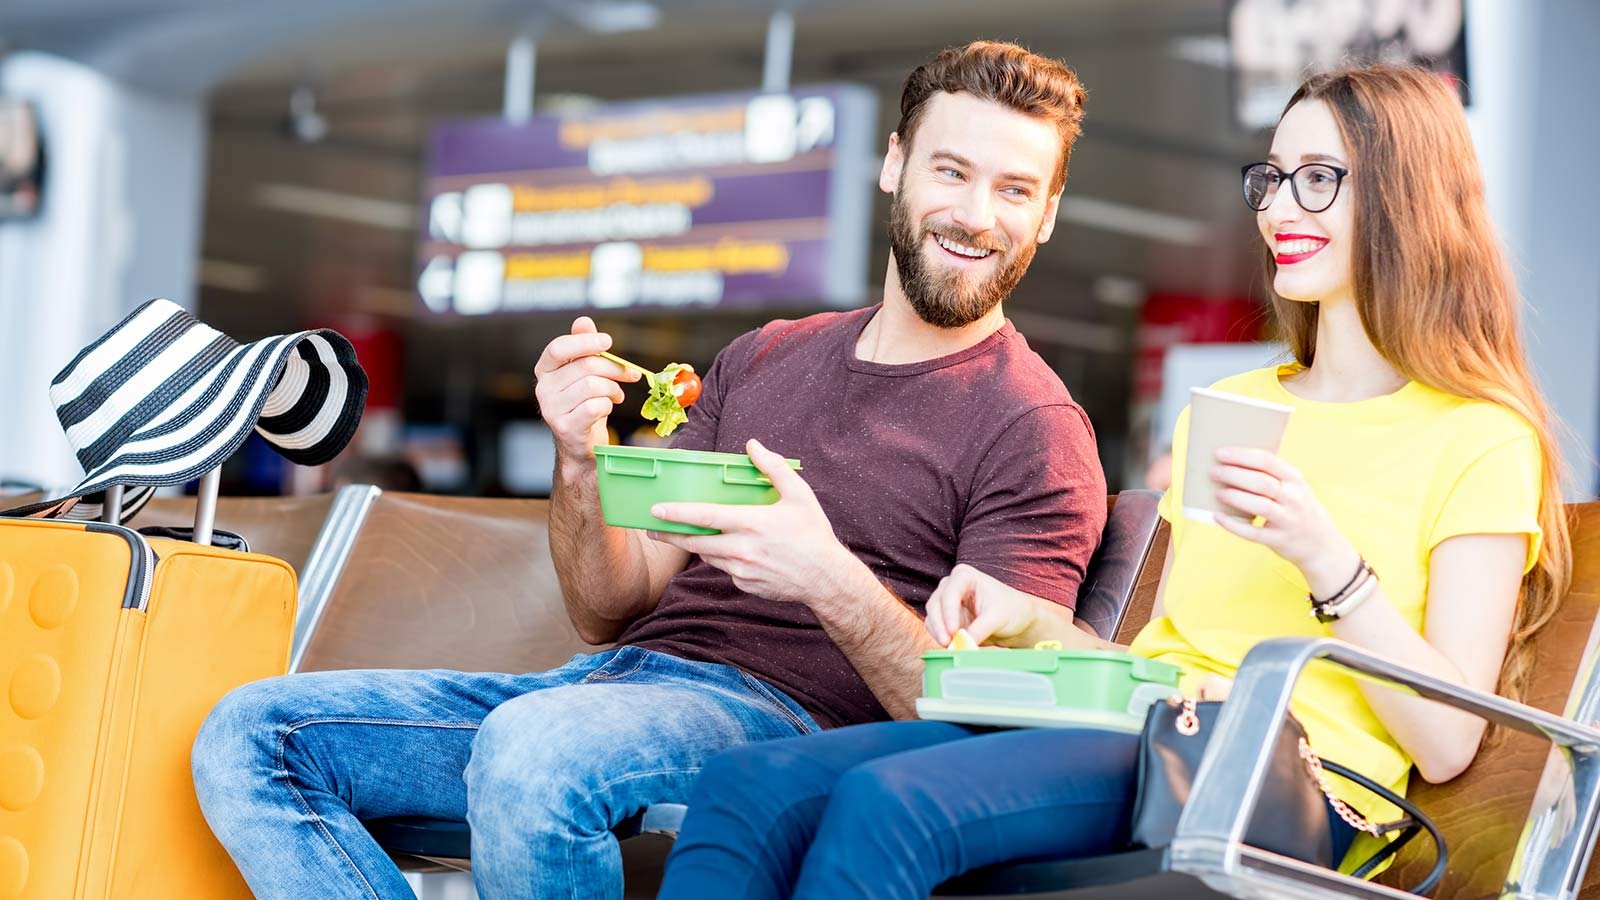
1261, 460
1242, 528
1249, 504
1253, 480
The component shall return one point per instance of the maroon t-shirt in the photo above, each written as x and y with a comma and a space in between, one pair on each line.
979, 457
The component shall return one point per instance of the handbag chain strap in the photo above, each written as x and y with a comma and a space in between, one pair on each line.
1348, 813
1188, 725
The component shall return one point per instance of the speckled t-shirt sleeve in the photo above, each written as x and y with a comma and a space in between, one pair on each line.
700, 432
1038, 505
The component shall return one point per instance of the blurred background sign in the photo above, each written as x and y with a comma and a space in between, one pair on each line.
732, 200
1275, 44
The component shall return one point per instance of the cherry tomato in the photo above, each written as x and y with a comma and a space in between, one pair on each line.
686, 387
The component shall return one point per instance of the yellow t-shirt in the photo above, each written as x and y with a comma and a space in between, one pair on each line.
1398, 474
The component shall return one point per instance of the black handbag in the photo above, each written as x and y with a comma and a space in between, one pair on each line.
1290, 819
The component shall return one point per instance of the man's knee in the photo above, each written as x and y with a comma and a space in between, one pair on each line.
531, 770
237, 742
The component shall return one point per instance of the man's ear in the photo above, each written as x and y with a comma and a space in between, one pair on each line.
894, 162
1052, 206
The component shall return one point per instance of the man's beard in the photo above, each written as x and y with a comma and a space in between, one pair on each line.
947, 297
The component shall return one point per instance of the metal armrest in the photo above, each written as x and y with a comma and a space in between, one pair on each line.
1228, 784
329, 555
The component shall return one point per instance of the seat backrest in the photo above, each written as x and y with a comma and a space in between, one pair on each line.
1143, 599
1113, 572
284, 527
1482, 812
448, 582
478, 573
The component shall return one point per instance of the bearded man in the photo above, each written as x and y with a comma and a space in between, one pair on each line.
931, 436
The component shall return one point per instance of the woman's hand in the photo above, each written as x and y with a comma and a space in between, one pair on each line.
986, 608
1214, 687
1295, 524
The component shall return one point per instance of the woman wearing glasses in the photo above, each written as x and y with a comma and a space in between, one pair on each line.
1414, 510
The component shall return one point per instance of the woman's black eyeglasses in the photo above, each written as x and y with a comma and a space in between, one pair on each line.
1315, 185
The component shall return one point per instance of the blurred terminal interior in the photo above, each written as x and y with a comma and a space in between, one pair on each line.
280, 166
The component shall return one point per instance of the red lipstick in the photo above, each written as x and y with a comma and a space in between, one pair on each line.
1289, 259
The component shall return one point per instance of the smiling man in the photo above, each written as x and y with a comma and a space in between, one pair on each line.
932, 437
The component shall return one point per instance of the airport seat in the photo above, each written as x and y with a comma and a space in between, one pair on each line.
1520, 822
1116, 570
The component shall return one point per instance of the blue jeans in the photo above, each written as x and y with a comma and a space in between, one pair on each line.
889, 811
542, 766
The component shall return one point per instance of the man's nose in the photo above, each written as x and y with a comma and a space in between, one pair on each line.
975, 212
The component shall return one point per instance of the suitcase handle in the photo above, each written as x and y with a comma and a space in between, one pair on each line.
205, 507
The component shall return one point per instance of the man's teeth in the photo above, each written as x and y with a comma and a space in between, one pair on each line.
1293, 248
961, 249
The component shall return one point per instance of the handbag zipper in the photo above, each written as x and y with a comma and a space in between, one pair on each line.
141, 569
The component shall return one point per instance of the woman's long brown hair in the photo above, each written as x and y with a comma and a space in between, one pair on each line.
1434, 288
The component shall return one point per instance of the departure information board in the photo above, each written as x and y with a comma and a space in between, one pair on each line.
723, 201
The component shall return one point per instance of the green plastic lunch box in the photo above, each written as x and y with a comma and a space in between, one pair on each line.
1043, 687
633, 479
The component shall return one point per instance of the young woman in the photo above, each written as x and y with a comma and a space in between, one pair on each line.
1415, 499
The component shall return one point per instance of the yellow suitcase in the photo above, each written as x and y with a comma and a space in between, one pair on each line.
114, 647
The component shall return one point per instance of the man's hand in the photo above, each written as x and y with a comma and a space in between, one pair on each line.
782, 551
577, 390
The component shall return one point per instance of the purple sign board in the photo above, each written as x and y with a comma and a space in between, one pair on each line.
729, 201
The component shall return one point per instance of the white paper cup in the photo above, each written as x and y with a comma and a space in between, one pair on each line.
1218, 419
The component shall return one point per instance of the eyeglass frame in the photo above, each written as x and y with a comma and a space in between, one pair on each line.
1340, 174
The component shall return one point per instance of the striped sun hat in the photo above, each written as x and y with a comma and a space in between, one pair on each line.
162, 399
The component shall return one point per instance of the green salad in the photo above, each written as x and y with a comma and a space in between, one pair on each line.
665, 404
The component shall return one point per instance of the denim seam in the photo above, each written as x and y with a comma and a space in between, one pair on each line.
305, 807
600, 674
571, 844
682, 770
761, 689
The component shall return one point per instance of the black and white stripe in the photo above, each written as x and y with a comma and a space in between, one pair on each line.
162, 399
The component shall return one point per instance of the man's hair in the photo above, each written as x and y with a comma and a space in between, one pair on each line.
1005, 74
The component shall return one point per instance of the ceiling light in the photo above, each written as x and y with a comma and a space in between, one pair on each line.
305, 201
232, 276
1132, 220
1203, 49
615, 16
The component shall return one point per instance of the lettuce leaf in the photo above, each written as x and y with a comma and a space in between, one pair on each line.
662, 405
